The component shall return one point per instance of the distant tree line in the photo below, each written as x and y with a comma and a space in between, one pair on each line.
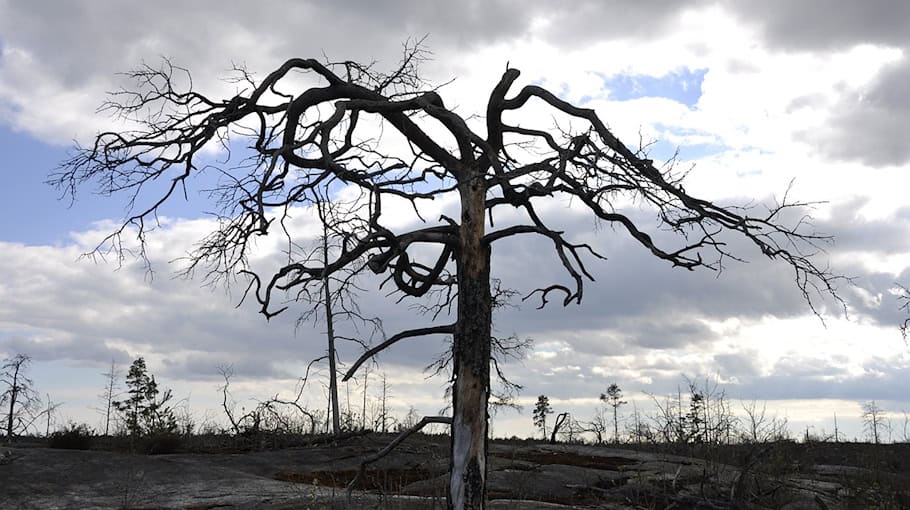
699, 413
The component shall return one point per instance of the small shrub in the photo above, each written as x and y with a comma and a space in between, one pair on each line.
72, 437
160, 443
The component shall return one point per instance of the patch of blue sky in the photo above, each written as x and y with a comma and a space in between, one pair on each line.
688, 144
682, 86
663, 149
36, 213
32, 211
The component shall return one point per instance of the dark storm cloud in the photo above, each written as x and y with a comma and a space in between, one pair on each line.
641, 303
739, 364
79, 46
81, 39
85, 312
802, 377
41, 348
76, 49
632, 283
852, 232
593, 21
647, 330
870, 126
810, 378
826, 24
872, 299
869, 297
796, 378
207, 366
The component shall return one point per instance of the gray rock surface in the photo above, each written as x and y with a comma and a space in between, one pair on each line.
521, 476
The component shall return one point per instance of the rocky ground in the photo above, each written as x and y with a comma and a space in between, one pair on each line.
523, 475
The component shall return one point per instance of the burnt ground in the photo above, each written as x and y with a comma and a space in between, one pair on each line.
307, 473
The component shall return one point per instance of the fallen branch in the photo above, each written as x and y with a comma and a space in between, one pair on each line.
426, 420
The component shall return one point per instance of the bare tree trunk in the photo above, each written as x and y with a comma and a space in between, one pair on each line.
108, 396
328, 413
330, 333
680, 432
615, 424
385, 389
363, 417
329, 322
348, 414
471, 356
14, 394
49, 411
836, 440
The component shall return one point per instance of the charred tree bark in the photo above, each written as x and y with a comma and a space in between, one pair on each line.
471, 355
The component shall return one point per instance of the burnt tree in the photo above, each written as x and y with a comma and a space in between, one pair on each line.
19, 398
314, 127
335, 302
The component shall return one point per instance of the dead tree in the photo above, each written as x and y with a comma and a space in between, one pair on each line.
110, 393
381, 423
336, 298
390, 137
266, 412
560, 421
22, 403
329, 322
875, 421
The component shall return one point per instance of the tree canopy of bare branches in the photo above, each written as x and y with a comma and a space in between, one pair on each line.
320, 139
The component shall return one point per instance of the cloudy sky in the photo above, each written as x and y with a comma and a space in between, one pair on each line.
753, 94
